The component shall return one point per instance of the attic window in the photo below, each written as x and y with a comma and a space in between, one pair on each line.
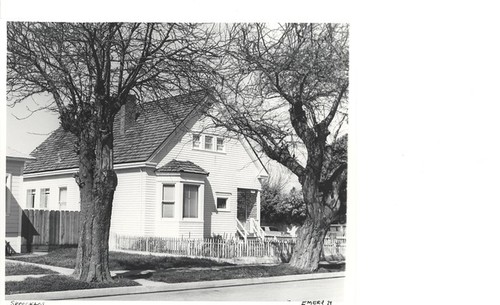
196, 141
220, 144
208, 142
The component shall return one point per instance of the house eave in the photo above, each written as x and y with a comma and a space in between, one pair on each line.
75, 170
21, 159
178, 173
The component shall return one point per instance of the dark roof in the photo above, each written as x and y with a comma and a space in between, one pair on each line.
156, 121
175, 166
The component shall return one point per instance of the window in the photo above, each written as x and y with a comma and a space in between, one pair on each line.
8, 187
209, 142
222, 203
168, 201
63, 193
196, 141
220, 144
190, 206
44, 198
30, 198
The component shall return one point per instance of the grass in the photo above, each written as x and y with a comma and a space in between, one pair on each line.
21, 269
191, 270
65, 257
59, 283
239, 272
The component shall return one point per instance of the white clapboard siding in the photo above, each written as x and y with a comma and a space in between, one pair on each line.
53, 183
229, 171
150, 201
128, 203
190, 229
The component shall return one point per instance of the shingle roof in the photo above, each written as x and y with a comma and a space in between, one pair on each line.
157, 120
175, 166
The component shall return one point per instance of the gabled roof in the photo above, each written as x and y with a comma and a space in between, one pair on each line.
175, 166
156, 122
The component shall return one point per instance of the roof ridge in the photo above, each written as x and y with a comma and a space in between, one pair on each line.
173, 97
138, 145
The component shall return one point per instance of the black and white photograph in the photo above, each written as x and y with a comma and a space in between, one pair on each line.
265, 152
176, 161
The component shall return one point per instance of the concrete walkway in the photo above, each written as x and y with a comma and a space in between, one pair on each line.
148, 286
67, 271
165, 287
60, 270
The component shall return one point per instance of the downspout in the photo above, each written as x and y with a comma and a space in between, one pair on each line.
143, 203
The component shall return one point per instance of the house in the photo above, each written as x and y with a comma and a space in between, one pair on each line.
13, 211
176, 177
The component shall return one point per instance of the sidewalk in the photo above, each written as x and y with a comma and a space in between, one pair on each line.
165, 287
147, 285
67, 271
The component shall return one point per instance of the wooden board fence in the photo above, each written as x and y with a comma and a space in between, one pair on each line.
45, 229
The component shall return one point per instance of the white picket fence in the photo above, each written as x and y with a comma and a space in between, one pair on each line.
222, 248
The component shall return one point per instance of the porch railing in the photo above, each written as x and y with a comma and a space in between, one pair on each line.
255, 228
240, 228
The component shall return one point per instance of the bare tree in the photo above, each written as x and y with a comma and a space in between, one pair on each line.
91, 70
285, 88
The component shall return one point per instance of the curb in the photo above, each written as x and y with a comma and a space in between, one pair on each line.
99, 292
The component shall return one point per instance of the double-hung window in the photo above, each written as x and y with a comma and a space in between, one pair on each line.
220, 144
196, 141
190, 204
168, 201
209, 142
63, 194
30, 198
44, 198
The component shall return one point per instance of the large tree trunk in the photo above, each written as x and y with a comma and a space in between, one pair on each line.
97, 181
323, 207
310, 238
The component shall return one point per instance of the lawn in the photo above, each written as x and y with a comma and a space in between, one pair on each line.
65, 257
59, 283
166, 269
21, 269
236, 272
239, 272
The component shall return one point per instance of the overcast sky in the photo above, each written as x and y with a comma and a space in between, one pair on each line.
29, 129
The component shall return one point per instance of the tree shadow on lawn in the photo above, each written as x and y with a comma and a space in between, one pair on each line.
59, 283
325, 266
127, 261
235, 272
65, 257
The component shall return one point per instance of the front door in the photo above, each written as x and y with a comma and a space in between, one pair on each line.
247, 205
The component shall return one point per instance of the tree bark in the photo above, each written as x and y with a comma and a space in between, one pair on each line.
323, 206
307, 251
97, 181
